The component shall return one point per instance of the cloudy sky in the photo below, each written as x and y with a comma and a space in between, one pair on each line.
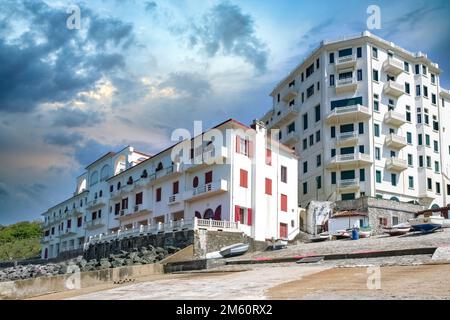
136, 70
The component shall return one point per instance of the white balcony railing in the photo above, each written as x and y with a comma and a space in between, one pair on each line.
173, 199
394, 118
348, 183
393, 66
393, 88
396, 164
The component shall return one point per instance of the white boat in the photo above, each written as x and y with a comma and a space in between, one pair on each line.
426, 224
342, 234
398, 230
365, 233
234, 250
446, 223
214, 255
321, 237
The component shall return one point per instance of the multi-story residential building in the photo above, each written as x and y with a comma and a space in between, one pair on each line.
231, 176
365, 118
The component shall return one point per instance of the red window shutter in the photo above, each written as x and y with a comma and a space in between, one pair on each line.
249, 218
238, 144
284, 203
268, 157
237, 213
208, 177
268, 186
243, 178
283, 230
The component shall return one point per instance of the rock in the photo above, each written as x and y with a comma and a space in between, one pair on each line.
117, 263
128, 262
172, 249
105, 264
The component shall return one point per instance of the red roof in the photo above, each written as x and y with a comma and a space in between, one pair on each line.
349, 213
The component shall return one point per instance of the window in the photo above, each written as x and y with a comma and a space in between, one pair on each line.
419, 139
362, 175
435, 146
417, 69
305, 144
424, 70
318, 136
309, 70
208, 177
292, 83
406, 66
393, 179
292, 103
305, 187
79, 222
319, 160
376, 103
407, 88
436, 166
319, 182
125, 203
433, 98
377, 130
448, 189
333, 132
427, 140
378, 176
243, 146
433, 79
303, 77
429, 184
428, 162
268, 157
438, 188
139, 198
310, 91
410, 160
359, 52
278, 97
291, 127
425, 91
243, 178
418, 90
345, 75
305, 121
435, 125
117, 208
375, 75
377, 153
361, 149
284, 174
331, 80
331, 57
409, 137
333, 152
359, 75
305, 167
311, 140
333, 178
317, 112
374, 52
345, 52
158, 194
421, 161
268, 186
411, 182
283, 202
175, 187
408, 116
317, 63
361, 128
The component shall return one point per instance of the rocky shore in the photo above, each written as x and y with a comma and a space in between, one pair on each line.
137, 256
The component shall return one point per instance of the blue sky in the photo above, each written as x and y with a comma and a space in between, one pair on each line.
136, 70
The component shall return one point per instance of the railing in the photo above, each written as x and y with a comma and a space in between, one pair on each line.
348, 136
396, 162
394, 115
286, 111
171, 226
347, 109
394, 85
393, 138
345, 82
348, 183
351, 157
393, 62
345, 59
174, 198
94, 223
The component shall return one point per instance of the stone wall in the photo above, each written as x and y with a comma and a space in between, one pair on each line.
180, 239
377, 209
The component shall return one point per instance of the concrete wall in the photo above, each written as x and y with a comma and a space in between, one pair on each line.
21, 289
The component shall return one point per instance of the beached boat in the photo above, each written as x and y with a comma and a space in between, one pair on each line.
321, 237
426, 224
342, 234
234, 250
398, 230
365, 233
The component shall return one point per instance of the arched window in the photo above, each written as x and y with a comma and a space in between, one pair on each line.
209, 214
111, 188
435, 206
104, 173
195, 182
395, 199
130, 180
198, 215
218, 213
95, 195
100, 194
94, 178
144, 174
159, 167
118, 185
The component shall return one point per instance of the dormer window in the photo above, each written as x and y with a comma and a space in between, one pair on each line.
130, 181
118, 185
144, 174
159, 167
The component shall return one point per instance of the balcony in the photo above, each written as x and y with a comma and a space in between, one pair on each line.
349, 160
290, 94
96, 203
348, 114
346, 85
137, 211
206, 190
395, 141
396, 164
394, 89
174, 199
208, 157
290, 139
284, 116
168, 172
348, 185
347, 139
68, 232
345, 62
394, 118
94, 224
393, 66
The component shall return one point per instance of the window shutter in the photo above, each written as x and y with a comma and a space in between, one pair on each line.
250, 148
237, 213
238, 144
284, 202
249, 218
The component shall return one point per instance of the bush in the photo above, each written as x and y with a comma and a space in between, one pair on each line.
20, 240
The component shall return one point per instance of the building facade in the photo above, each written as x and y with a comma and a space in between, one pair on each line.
366, 118
231, 177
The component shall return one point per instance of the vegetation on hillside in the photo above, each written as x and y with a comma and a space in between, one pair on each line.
20, 240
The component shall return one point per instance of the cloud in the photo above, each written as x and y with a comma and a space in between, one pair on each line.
225, 29
74, 117
150, 6
192, 84
47, 62
91, 151
3, 190
63, 139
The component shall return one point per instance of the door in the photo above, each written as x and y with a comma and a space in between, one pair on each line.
283, 230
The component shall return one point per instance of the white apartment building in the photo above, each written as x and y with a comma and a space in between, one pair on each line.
230, 177
366, 118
